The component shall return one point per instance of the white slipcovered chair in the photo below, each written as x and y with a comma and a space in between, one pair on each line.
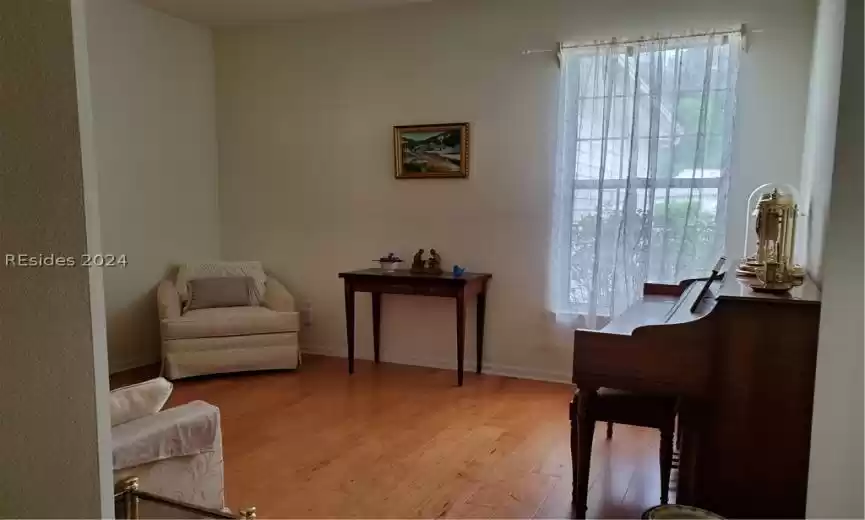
176, 452
226, 339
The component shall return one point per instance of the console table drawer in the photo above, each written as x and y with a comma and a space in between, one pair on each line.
405, 288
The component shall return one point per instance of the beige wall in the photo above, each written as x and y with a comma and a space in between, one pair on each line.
306, 168
55, 453
818, 155
836, 480
154, 123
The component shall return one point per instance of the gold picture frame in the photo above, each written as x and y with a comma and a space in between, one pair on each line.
437, 151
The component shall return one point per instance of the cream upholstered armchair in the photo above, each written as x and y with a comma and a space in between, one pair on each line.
259, 336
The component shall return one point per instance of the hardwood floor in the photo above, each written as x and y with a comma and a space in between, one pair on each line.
394, 441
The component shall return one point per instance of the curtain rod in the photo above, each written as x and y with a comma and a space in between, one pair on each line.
743, 31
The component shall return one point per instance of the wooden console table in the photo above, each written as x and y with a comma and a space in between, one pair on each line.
379, 281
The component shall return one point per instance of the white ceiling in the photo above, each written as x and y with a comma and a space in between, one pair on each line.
223, 12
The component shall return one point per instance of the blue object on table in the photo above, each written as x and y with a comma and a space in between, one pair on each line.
458, 271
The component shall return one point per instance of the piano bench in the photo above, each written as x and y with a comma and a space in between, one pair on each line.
617, 406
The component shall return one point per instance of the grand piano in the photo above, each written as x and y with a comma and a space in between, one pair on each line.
742, 365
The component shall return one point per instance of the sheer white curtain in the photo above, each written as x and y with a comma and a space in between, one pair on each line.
642, 169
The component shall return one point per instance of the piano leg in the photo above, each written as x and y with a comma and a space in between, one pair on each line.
582, 432
575, 442
688, 438
666, 456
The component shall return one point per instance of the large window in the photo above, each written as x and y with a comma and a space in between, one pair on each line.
642, 168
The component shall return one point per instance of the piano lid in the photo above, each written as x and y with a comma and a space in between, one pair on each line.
655, 309
659, 309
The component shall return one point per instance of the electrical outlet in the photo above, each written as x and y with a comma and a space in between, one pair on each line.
306, 314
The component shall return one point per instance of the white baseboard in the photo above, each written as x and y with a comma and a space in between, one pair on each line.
528, 373
130, 364
448, 364
496, 369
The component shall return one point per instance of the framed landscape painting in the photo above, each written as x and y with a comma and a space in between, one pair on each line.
431, 151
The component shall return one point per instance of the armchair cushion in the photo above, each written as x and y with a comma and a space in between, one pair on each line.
139, 400
188, 272
229, 321
209, 293
188, 429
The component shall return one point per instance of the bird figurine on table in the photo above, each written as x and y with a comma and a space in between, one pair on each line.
458, 271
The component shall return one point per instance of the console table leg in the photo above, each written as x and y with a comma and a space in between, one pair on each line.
481, 311
461, 335
349, 324
376, 324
